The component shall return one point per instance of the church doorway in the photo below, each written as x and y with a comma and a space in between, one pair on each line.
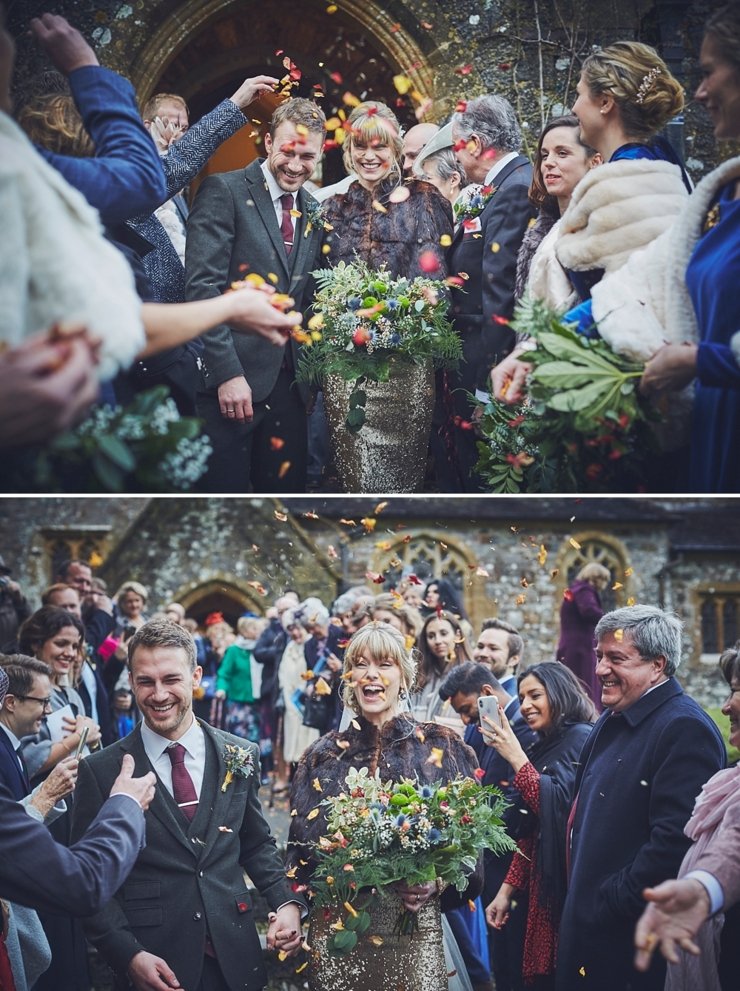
210, 48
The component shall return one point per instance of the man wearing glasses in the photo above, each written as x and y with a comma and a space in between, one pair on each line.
26, 703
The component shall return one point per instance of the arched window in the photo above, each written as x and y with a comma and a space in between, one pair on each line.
73, 543
720, 619
597, 548
431, 555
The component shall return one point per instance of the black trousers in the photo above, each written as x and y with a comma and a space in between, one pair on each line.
247, 457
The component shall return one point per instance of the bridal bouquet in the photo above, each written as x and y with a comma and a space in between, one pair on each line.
584, 426
364, 321
380, 833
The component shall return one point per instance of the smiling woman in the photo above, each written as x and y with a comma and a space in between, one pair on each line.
556, 706
378, 672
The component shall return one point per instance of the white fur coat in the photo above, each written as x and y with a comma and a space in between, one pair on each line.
547, 279
55, 263
616, 209
646, 302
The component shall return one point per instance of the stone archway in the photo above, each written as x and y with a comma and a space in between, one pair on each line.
205, 51
224, 595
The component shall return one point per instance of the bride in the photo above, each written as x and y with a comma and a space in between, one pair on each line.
379, 219
378, 673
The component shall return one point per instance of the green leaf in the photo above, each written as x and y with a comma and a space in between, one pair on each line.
355, 419
577, 399
363, 922
118, 451
108, 474
345, 941
357, 398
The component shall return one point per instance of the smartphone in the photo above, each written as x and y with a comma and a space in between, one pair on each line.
83, 741
488, 706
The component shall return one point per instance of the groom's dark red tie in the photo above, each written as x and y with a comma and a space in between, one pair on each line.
183, 789
286, 227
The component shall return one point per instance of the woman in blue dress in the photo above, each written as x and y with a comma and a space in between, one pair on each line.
711, 227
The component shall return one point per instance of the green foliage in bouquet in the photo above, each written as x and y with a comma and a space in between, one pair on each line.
365, 322
380, 833
584, 426
146, 447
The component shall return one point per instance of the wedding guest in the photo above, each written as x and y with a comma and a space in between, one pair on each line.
250, 396
390, 608
554, 705
296, 737
442, 646
413, 141
239, 681
436, 163
561, 160
378, 674
414, 216
580, 611
487, 139
700, 911
682, 288
646, 759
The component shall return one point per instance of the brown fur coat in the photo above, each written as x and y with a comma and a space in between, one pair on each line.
398, 237
399, 750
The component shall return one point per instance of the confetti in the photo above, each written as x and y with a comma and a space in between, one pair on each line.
619, 635
369, 523
322, 688
574, 543
631, 601
445, 241
331, 552
380, 507
435, 757
282, 517
225, 829
302, 967
312, 814
464, 70
377, 205
542, 556
402, 83
376, 940
316, 785
520, 600
428, 262
258, 587
283, 469
348, 522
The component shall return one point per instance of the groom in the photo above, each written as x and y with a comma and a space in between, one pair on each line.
184, 918
257, 221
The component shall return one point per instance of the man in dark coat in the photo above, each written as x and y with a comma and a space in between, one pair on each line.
184, 915
641, 770
463, 686
257, 221
484, 249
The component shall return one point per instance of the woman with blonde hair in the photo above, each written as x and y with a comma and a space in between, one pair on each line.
381, 219
579, 613
378, 675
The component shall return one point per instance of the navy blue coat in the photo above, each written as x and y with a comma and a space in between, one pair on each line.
640, 773
11, 774
36, 871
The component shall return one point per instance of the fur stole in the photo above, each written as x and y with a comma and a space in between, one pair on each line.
57, 265
616, 209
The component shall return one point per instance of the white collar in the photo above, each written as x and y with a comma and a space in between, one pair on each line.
498, 166
272, 185
155, 745
11, 736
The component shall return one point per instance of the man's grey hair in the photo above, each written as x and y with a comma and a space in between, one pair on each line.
493, 119
163, 633
652, 632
